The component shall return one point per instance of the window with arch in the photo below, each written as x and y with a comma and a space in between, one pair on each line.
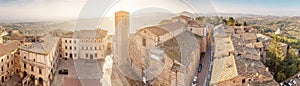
24, 65
32, 68
40, 71
144, 42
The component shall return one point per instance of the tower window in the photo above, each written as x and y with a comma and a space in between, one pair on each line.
32, 68
144, 42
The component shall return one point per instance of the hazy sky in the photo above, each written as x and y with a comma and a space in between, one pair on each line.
262, 7
58, 9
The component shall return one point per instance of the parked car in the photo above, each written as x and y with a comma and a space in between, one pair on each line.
290, 84
285, 84
199, 68
63, 71
293, 81
195, 80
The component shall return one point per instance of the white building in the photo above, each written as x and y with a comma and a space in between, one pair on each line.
2, 33
84, 44
278, 31
39, 61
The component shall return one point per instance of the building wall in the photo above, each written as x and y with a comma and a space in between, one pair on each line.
139, 49
41, 66
83, 48
7, 66
167, 77
237, 81
1, 40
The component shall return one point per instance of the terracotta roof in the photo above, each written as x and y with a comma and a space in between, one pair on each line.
165, 22
155, 30
247, 52
258, 45
165, 28
44, 47
220, 32
180, 48
223, 69
8, 47
263, 38
171, 27
87, 34
248, 36
223, 46
195, 23
252, 69
182, 17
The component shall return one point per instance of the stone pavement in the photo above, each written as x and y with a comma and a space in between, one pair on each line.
84, 72
13, 81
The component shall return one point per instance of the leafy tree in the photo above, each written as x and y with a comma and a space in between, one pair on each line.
216, 20
275, 57
244, 23
231, 21
236, 23
224, 21
291, 70
280, 76
275, 50
298, 67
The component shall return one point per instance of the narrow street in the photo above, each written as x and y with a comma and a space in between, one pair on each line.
205, 61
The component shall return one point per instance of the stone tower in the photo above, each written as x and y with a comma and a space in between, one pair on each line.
121, 37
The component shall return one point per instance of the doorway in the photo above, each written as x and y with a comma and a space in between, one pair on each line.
71, 56
91, 56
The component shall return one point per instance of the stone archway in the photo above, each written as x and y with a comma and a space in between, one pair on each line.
32, 77
2, 79
40, 80
24, 74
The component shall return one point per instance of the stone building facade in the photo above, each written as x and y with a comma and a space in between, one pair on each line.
84, 44
179, 66
39, 61
8, 55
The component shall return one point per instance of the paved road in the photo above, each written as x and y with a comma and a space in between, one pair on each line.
205, 61
295, 78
